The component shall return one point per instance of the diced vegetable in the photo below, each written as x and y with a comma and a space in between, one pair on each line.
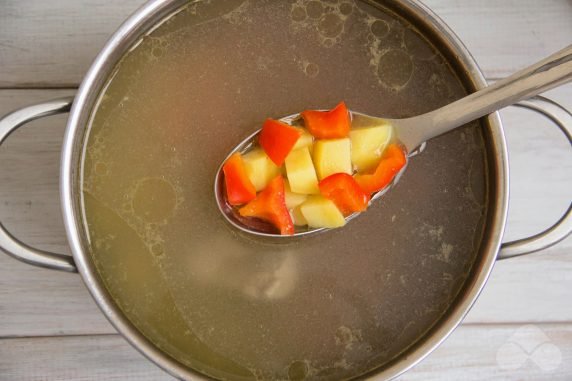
297, 217
301, 173
305, 140
292, 199
270, 206
368, 145
331, 124
259, 168
277, 139
320, 212
345, 192
391, 163
239, 189
332, 156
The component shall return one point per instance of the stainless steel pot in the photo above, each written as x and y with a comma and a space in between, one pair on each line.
146, 19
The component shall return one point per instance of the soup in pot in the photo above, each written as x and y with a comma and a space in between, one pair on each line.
331, 306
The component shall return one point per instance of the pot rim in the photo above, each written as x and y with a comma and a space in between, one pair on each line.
73, 220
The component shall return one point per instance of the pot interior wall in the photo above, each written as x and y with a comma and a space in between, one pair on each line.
327, 307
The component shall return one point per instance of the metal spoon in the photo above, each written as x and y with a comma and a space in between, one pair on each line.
415, 131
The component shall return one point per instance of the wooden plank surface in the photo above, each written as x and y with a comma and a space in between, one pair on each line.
499, 352
52, 43
507, 35
103, 357
50, 329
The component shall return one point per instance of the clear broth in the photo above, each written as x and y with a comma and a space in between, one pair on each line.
332, 306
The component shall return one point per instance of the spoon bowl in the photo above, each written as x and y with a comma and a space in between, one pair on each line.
262, 228
414, 132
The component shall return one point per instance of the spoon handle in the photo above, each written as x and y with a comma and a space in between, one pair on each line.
552, 71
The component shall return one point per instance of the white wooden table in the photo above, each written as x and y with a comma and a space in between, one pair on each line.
50, 329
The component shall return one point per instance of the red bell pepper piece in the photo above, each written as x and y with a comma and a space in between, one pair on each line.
390, 164
239, 188
277, 139
270, 205
331, 124
345, 192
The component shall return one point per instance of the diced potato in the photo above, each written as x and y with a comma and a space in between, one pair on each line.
301, 173
292, 199
368, 145
320, 212
297, 217
305, 140
332, 156
259, 168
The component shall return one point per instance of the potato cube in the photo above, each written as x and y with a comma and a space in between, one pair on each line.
297, 217
368, 145
332, 156
292, 199
301, 173
305, 140
320, 212
259, 168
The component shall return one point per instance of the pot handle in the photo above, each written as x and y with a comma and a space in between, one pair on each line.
563, 227
8, 243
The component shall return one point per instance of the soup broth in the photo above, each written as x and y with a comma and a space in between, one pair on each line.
331, 306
